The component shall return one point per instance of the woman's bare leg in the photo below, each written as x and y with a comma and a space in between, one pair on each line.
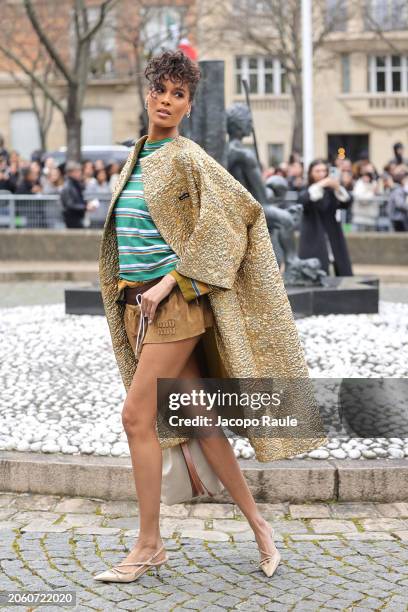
221, 457
165, 360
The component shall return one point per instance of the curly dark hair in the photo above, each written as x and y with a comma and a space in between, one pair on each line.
176, 66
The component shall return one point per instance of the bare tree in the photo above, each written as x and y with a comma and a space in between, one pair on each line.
71, 64
40, 103
382, 17
273, 28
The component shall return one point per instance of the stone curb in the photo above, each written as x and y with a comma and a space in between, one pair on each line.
47, 271
296, 480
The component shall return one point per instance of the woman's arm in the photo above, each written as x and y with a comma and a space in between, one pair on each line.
313, 197
344, 198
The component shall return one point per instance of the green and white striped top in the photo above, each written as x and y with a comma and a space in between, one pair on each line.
143, 252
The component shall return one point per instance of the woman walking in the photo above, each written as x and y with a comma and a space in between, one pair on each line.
320, 229
186, 247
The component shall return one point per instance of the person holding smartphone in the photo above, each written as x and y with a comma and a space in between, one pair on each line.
321, 233
366, 206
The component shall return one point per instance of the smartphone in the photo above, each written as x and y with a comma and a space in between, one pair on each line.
334, 172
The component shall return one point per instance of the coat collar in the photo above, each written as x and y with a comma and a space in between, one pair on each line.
162, 151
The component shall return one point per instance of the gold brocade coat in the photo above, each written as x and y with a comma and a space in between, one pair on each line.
220, 235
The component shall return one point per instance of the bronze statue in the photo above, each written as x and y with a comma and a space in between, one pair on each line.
243, 165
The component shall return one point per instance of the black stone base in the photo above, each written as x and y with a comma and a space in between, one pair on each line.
85, 300
339, 295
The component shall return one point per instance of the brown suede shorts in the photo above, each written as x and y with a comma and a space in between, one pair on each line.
174, 319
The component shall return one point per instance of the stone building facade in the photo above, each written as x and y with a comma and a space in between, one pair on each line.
360, 81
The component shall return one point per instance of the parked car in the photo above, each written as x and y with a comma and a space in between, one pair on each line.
117, 153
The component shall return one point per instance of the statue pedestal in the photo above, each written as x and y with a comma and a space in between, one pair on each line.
338, 295
84, 300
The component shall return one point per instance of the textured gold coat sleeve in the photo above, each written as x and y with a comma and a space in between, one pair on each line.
189, 287
217, 245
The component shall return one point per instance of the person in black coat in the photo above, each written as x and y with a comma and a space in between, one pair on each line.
27, 184
321, 226
6, 180
74, 205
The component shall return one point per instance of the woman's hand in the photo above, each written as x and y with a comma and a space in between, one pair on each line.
330, 181
152, 297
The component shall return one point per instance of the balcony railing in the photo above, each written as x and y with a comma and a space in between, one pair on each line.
265, 103
378, 109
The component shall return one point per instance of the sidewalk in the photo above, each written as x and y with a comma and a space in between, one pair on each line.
344, 556
17, 270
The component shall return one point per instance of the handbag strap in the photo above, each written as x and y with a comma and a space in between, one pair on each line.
196, 484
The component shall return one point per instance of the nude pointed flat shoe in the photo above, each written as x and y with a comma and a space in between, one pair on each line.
270, 561
117, 575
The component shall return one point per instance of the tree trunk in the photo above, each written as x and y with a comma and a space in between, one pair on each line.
297, 135
43, 135
73, 126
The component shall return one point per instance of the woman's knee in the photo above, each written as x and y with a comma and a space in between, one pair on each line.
137, 420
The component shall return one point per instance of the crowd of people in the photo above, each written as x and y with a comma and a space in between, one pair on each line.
370, 191
78, 185
342, 192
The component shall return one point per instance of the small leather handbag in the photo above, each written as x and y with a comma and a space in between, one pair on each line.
186, 474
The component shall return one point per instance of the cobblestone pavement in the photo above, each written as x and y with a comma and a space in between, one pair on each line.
340, 556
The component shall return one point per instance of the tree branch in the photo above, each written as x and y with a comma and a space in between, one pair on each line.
76, 21
32, 76
376, 28
104, 9
45, 41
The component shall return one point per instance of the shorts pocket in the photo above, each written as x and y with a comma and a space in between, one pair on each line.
131, 322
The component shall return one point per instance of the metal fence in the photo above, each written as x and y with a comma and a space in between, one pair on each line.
45, 211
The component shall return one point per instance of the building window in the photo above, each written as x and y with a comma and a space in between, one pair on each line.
275, 154
386, 14
336, 15
264, 74
388, 73
96, 126
25, 133
345, 73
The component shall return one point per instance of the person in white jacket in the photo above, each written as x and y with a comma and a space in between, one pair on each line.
366, 205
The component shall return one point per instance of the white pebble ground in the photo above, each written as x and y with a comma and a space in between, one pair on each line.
61, 390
